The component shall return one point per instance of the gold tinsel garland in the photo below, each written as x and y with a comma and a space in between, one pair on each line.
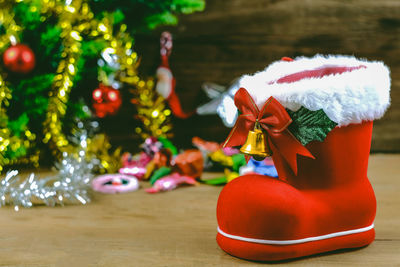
151, 107
72, 20
62, 85
76, 20
151, 110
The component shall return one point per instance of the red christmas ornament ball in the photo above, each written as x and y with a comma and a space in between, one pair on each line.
106, 101
19, 58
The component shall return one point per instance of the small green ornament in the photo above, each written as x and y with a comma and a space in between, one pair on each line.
168, 144
238, 161
216, 181
161, 172
310, 125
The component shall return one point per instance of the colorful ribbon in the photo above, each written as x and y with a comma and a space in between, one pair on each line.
274, 119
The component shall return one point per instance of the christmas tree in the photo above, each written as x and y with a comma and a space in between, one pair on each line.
55, 53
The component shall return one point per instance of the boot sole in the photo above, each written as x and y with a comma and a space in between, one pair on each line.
274, 250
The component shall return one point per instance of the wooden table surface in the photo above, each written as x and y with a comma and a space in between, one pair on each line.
171, 229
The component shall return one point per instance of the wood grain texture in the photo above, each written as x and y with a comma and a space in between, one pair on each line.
171, 229
231, 38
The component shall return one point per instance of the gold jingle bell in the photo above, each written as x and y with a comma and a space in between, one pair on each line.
256, 145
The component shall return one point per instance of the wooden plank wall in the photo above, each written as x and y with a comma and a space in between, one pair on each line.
234, 37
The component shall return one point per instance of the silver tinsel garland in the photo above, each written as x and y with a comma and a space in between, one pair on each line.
71, 184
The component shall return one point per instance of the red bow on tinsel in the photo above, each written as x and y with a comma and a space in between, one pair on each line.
274, 119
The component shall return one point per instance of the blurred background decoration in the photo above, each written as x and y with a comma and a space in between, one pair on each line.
231, 38
59, 58
99, 61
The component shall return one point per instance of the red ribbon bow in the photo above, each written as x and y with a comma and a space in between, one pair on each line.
274, 119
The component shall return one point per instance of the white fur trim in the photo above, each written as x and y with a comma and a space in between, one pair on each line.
350, 97
296, 241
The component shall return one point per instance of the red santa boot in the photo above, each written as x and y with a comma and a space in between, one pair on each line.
321, 108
